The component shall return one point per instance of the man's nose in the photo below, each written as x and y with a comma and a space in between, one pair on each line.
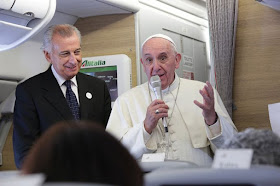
156, 65
72, 58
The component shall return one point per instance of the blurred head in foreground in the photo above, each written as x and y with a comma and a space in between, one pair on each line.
76, 151
264, 142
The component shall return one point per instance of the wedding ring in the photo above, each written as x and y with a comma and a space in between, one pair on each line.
157, 111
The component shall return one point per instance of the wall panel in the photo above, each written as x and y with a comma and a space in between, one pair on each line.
8, 153
257, 67
108, 35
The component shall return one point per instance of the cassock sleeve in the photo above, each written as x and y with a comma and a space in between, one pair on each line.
223, 129
130, 131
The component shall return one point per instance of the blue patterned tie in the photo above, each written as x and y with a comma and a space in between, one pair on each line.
72, 100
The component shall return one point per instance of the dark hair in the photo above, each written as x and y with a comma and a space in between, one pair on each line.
264, 142
75, 151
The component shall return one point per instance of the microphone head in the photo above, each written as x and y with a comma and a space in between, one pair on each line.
156, 84
155, 81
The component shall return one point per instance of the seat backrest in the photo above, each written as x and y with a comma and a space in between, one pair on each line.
152, 166
73, 184
6, 119
260, 175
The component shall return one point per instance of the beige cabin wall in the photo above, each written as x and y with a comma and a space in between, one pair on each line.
108, 35
257, 64
8, 162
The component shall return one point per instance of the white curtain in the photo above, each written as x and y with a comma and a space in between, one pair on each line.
222, 17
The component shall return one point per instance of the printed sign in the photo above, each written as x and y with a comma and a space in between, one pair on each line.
232, 159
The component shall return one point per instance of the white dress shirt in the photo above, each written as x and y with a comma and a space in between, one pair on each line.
61, 80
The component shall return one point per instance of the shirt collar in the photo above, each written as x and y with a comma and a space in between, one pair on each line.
61, 80
173, 85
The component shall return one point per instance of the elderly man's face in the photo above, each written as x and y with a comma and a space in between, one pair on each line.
66, 56
159, 58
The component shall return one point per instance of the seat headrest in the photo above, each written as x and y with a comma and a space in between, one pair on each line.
7, 106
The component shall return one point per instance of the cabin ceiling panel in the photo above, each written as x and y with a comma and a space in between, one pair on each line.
194, 7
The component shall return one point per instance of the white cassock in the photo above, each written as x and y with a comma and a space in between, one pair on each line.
190, 139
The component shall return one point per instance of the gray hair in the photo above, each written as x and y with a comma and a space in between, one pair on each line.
64, 30
264, 142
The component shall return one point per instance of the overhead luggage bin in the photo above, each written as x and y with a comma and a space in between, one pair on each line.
21, 19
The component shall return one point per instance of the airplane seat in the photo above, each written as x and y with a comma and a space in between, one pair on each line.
257, 175
148, 167
9, 178
7, 106
74, 184
7, 102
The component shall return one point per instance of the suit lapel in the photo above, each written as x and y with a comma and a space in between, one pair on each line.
54, 95
86, 96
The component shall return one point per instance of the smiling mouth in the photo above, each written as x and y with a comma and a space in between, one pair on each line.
72, 68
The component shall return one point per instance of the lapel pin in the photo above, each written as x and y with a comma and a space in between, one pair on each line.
88, 95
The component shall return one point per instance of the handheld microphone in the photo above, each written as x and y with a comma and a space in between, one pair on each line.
156, 84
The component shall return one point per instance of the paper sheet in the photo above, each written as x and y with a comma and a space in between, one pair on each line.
274, 117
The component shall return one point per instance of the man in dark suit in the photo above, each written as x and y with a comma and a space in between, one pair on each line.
43, 100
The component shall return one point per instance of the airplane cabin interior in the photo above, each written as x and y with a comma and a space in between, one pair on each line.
246, 76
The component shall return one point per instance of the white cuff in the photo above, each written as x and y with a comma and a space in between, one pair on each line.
146, 135
214, 130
